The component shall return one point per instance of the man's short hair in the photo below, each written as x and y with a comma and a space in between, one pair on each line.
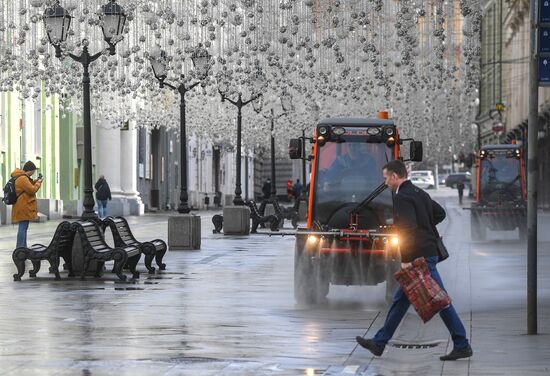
398, 167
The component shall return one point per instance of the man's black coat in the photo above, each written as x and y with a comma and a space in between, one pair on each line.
416, 215
103, 190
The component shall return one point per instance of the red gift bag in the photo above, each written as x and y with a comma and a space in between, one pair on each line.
424, 293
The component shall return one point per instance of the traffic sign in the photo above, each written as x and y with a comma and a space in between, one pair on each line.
544, 39
544, 71
545, 11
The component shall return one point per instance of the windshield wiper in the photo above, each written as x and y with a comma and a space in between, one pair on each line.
361, 205
368, 199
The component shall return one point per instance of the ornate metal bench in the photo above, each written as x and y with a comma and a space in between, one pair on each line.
258, 219
122, 235
95, 248
60, 246
286, 213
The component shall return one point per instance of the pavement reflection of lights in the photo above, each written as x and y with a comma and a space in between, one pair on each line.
310, 371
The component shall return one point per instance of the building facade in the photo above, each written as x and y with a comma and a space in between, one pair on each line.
141, 165
505, 80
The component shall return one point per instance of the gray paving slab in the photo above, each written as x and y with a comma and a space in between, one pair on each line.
228, 310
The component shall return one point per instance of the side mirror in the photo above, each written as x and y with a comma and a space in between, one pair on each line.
295, 148
416, 151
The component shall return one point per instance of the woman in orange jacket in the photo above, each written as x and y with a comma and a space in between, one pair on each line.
24, 210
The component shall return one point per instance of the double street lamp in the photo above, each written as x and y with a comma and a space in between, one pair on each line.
201, 62
57, 22
239, 103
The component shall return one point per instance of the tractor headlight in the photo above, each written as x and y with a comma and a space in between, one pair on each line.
323, 131
339, 131
312, 239
394, 241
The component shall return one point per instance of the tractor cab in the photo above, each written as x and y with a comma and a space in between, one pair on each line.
349, 238
500, 193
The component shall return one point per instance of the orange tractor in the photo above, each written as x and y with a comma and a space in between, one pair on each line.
350, 238
501, 202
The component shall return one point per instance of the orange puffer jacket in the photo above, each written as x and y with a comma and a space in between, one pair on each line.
24, 208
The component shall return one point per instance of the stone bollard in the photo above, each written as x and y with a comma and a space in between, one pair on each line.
236, 220
184, 232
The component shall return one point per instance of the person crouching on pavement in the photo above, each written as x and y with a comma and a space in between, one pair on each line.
416, 215
25, 210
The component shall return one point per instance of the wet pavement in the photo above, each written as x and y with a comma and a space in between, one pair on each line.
228, 309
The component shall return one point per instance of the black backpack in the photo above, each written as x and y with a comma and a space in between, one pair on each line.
10, 197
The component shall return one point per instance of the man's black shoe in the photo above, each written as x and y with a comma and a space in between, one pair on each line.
370, 345
466, 352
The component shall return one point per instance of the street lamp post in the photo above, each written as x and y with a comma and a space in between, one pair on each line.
200, 59
478, 128
272, 117
239, 103
57, 22
273, 196
304, 193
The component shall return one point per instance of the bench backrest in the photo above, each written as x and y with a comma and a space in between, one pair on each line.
277, 207
253, 208
90, 235
121, 231
63, 237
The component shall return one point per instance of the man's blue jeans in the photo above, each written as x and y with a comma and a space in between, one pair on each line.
102, 208
399, 308
22, 234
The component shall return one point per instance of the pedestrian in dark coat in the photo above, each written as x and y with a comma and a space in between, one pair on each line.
415, 215
460, 189
297, 190
103, 193
266, 189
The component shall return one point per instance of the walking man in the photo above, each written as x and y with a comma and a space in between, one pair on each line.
103, 193
25, 209
266, 189
297, 190
460, 188
416, 215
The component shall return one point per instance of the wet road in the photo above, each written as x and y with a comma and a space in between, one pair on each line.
228, 309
